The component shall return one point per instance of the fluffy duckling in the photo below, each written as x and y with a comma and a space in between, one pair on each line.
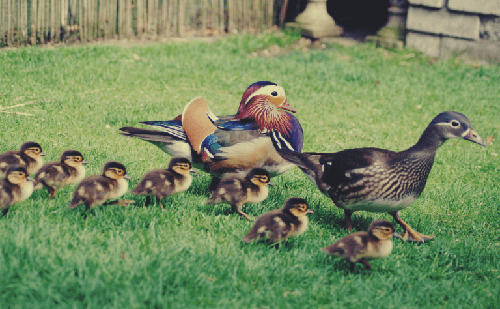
53, 175
238, 191
30, 156
97, 189
16, 187
279, 224
161, 183
361, 246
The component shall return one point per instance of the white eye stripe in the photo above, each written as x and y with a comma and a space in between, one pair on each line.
267, 90
450, 124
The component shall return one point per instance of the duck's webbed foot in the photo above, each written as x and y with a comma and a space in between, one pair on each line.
409, 234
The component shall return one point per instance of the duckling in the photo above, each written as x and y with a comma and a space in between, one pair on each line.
279, 224
361, 246
97, 189
30, 155
161, 183
238, 191
53, 175
16, 187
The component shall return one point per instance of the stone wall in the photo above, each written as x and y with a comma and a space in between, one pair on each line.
465, 28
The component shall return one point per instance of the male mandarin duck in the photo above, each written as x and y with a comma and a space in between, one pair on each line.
229, 144
30, 156
161, 183
277, 225
69, 170
237, 191
362, 246
379, 180
95, 190
16, 187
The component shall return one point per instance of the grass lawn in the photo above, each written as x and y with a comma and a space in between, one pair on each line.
190, 255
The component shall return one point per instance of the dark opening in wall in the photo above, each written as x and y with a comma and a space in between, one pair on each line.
366, 16
359, 15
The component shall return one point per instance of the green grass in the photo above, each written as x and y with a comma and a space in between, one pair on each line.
190, 256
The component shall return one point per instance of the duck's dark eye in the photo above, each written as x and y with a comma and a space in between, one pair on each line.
455, 123
274, 93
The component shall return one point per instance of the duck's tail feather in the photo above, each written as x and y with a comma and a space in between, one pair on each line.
309, 163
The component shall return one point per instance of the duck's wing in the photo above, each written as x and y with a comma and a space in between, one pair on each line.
171, 139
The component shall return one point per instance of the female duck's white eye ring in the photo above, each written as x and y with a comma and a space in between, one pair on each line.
455, 123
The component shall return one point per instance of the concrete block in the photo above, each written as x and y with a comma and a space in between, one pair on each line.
431, 3
487, 7
428, 44
443, 22
472, 50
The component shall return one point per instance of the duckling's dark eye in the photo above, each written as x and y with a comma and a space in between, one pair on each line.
455, 123
274, 93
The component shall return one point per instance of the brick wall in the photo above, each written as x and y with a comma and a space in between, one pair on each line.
466, 28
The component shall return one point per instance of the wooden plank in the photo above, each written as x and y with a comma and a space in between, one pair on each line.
57, 14
170, 17
83, 22
2, 25
120, 17
9, 22
41, 19
110, 18
46, 20
204, 17
150, 16
97, 20
80, 19
88, 25
91, 20
181, 11
269, 13
33, 22
19, 23
145, 17
241, 18
115, 18
16, 23
222, 17
53, 27
214, 23
163, 17
140, 22
230, 10
106, 15
154, 17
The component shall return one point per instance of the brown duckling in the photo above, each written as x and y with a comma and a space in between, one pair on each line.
16, 187
53, 175
161, 183
279, 224
361, 246
95, 190
30, 156
237, 191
